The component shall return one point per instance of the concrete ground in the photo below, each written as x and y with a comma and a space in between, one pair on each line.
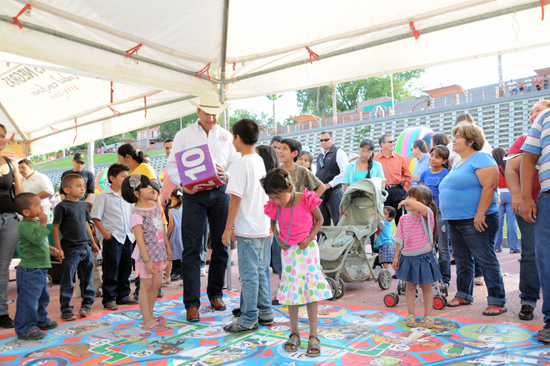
366, 294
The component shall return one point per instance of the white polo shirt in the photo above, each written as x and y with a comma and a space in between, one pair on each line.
219, 141
37, 183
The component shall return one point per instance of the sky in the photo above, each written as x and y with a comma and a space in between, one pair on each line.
467, 74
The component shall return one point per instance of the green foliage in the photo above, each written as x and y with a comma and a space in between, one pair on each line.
170, 128
318, 101
262, 119
361, 134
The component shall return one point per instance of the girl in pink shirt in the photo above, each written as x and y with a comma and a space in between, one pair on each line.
414, 259
152, 251
299, 220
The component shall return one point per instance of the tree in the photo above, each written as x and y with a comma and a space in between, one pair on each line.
170, 128
238, 114
274, 98
318, 101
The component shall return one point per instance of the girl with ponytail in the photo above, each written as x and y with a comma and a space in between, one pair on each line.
135, 159
364, 167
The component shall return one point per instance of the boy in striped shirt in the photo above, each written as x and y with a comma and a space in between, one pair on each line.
536, 150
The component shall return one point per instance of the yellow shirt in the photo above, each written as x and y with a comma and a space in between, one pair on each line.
147, 170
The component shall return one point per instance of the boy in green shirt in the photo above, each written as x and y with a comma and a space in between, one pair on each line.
31, 317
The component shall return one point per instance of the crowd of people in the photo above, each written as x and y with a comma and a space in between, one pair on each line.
272, 201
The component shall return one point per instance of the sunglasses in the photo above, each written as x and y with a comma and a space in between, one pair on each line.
325, 140
390, 142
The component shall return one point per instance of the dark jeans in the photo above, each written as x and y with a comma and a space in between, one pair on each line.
469, 244
177, 269
330, 207
443, 244
396, 195
212, 205
81, 262
542, 249
276, 258
529, 284
117, 267
32, 300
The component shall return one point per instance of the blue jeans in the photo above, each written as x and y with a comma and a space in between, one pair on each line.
32, 300
267, 260
529, 284
506, 208
330, 207
469, 244
255, 286
117, 268
276, 257
542, 249
443, 245
8, 242
212, 205
80, 261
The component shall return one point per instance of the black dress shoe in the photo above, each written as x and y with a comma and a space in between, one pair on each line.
526, 312
6, 322
175, 277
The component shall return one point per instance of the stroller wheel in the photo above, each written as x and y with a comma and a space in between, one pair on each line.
333, 287
341, 288
391, 300
445, 289
439, 302
384, 279
401, 287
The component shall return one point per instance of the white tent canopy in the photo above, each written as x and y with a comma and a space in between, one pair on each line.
254, 48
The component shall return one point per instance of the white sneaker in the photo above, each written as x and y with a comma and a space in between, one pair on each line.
203, 272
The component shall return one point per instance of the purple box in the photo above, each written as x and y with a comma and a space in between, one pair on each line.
196, 169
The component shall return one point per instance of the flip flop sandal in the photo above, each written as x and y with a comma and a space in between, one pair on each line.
155, 328
429, 322
313, 347
292, 343
459, 302
494, 307
410, 320
162, 321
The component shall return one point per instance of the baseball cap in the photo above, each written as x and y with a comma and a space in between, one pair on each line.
79, 158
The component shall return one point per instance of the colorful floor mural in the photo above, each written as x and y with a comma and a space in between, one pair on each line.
349, 335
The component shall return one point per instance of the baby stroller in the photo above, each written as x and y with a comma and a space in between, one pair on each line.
342, 247
439, 301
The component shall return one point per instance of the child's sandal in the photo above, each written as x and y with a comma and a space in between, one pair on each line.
429, 322
292, 345
410, 320
313, 349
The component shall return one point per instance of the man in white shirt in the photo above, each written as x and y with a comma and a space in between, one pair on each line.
210, 204
331, 166
37, 183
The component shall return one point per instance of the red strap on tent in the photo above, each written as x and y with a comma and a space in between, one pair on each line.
312, 55
542, 5
54, 129
112, 92
234, 66
12, 138
204, 70
75, 130
29, 139
115, 112
27, 8
413, 29
133, 50
145, 100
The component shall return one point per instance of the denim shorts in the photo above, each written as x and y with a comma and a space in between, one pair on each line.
419, 269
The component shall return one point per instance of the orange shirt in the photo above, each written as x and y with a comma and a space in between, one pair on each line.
395, 168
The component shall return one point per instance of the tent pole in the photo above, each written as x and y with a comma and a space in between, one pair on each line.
16, 128
91, 156
225, 117
390, 40
122, 114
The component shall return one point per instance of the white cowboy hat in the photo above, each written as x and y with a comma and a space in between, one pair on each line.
210, 103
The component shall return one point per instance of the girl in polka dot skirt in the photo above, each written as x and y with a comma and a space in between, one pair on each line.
299, 220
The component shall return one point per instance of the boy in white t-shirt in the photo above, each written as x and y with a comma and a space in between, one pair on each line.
247, 222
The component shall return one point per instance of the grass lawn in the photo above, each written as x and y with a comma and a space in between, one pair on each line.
67, 163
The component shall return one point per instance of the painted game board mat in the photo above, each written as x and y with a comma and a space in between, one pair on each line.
350, 335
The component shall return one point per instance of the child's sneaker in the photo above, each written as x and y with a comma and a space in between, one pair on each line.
68, 315
34, 335
84, 312
53, 324
544, 334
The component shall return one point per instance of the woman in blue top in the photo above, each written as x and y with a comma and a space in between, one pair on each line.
364, 167
468, 200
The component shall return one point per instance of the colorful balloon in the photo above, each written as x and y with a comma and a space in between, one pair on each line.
405, 140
